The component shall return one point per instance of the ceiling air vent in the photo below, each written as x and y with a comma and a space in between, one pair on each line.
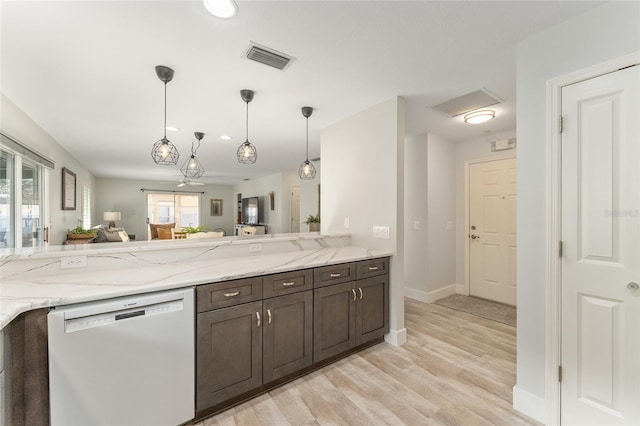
467, 103
268, 56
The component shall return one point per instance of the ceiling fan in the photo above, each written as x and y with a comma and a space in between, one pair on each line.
189, 182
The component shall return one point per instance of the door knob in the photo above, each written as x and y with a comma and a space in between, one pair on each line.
633, 286
475, 237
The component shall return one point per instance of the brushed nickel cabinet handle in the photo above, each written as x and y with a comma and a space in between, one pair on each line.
269, 315
289, 284
354, 294
360, 290
258, 317
235, 293
335, 275
373, 268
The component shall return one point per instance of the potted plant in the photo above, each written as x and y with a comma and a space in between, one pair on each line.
313, 222
79, 233
192, 230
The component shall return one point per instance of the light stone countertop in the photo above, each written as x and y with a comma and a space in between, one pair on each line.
35, 280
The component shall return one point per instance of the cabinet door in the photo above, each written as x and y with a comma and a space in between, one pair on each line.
372, 316
287, 334
228, 353
334, 310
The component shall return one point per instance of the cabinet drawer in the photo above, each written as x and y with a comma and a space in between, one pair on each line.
286, 283
334, 274
228, 293
372, 268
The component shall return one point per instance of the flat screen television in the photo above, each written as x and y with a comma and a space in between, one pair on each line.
251, 211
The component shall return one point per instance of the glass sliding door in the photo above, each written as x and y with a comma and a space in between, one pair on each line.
31, 211
169, 207
7, 179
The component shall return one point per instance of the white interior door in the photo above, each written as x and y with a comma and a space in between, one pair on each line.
295, 209
492, 230
601, 251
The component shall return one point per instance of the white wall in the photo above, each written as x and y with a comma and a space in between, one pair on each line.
430, 200
124, 196
363, 180
602, 34
15, 123
474, 149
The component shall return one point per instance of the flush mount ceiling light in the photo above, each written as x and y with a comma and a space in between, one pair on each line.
306, 170
481, 116
247, 153
221, 8
163, 151
225, 137
192, 168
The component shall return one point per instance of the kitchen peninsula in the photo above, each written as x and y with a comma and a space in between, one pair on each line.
299, 269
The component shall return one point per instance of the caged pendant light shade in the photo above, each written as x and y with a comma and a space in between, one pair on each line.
247, 153
192, 167
163, 151
307, 171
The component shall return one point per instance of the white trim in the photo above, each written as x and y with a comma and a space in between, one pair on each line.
396, 337
528, 404
467, 270
553, 308
460, 289
431, 296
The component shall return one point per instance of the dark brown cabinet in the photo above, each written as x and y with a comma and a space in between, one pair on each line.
351, 313
287, 334
228, 353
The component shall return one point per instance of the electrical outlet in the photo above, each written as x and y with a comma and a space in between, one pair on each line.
449, 226
69, 262
255, 247
416, 225
381, 232
346, 222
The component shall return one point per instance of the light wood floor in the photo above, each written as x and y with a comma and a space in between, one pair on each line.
455, 369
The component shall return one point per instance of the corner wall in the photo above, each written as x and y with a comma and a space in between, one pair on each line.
363, 180
15, 123
604, 33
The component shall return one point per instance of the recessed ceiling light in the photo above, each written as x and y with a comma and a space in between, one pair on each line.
172, 129
225, 137
481, 116
221, 8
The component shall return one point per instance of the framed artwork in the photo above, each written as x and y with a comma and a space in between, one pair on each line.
216, 207
272, 201
68, 189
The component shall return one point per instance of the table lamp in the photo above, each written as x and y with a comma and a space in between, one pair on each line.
111, 217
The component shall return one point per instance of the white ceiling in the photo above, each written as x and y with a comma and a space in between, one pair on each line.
84, 71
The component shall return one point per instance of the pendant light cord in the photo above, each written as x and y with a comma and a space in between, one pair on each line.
307, 138
247, 122
165, 110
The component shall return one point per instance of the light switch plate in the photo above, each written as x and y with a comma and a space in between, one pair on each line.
346, 222
381, 232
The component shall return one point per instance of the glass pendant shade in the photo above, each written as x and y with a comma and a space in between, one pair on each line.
307, 171
164, 152
247, 153
192, 167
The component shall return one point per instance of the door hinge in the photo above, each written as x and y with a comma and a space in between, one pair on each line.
561, 123
560, 248
560, 374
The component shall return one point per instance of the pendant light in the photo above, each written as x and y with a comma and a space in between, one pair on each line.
247, 153
163, 151
192, 168
306, 170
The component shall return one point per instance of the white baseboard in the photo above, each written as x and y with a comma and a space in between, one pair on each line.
461, 290
431, 296
396, 337
528, 404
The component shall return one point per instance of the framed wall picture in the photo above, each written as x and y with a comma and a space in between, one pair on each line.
216, 207
68, 189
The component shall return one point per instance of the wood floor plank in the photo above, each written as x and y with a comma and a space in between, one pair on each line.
455, 369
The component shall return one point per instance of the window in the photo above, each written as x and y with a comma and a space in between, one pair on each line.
86, 207
183, 209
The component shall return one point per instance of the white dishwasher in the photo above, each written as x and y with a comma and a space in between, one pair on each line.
125, 361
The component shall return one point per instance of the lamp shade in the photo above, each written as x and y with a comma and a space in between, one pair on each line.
111, 217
